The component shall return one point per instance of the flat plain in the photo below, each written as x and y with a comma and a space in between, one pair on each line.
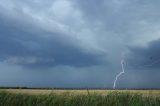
79, 92
54, 97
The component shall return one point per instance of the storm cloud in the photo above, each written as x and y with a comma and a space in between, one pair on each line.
27, 48
145, 57
79, 43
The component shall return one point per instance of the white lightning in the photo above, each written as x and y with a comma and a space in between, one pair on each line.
118, 75
123, 69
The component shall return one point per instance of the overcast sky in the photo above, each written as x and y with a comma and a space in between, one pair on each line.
79, 43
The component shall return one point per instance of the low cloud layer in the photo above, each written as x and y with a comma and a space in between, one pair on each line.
27, 48
145, 57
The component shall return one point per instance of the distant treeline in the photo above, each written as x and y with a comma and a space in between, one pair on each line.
60, 88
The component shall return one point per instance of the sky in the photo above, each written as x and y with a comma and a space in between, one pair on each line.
80, 43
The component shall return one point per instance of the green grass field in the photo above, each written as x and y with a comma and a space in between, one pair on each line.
25, 97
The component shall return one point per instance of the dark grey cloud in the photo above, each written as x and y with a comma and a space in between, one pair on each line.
145, 57
27, 48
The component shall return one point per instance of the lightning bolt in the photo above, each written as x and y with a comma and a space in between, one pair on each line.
123, 69
118, 75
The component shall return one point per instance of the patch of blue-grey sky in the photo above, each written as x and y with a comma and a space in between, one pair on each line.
76, 43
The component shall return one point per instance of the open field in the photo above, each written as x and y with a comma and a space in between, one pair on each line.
79, 92
37, 97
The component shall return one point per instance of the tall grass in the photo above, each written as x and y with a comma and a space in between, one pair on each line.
112, 99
